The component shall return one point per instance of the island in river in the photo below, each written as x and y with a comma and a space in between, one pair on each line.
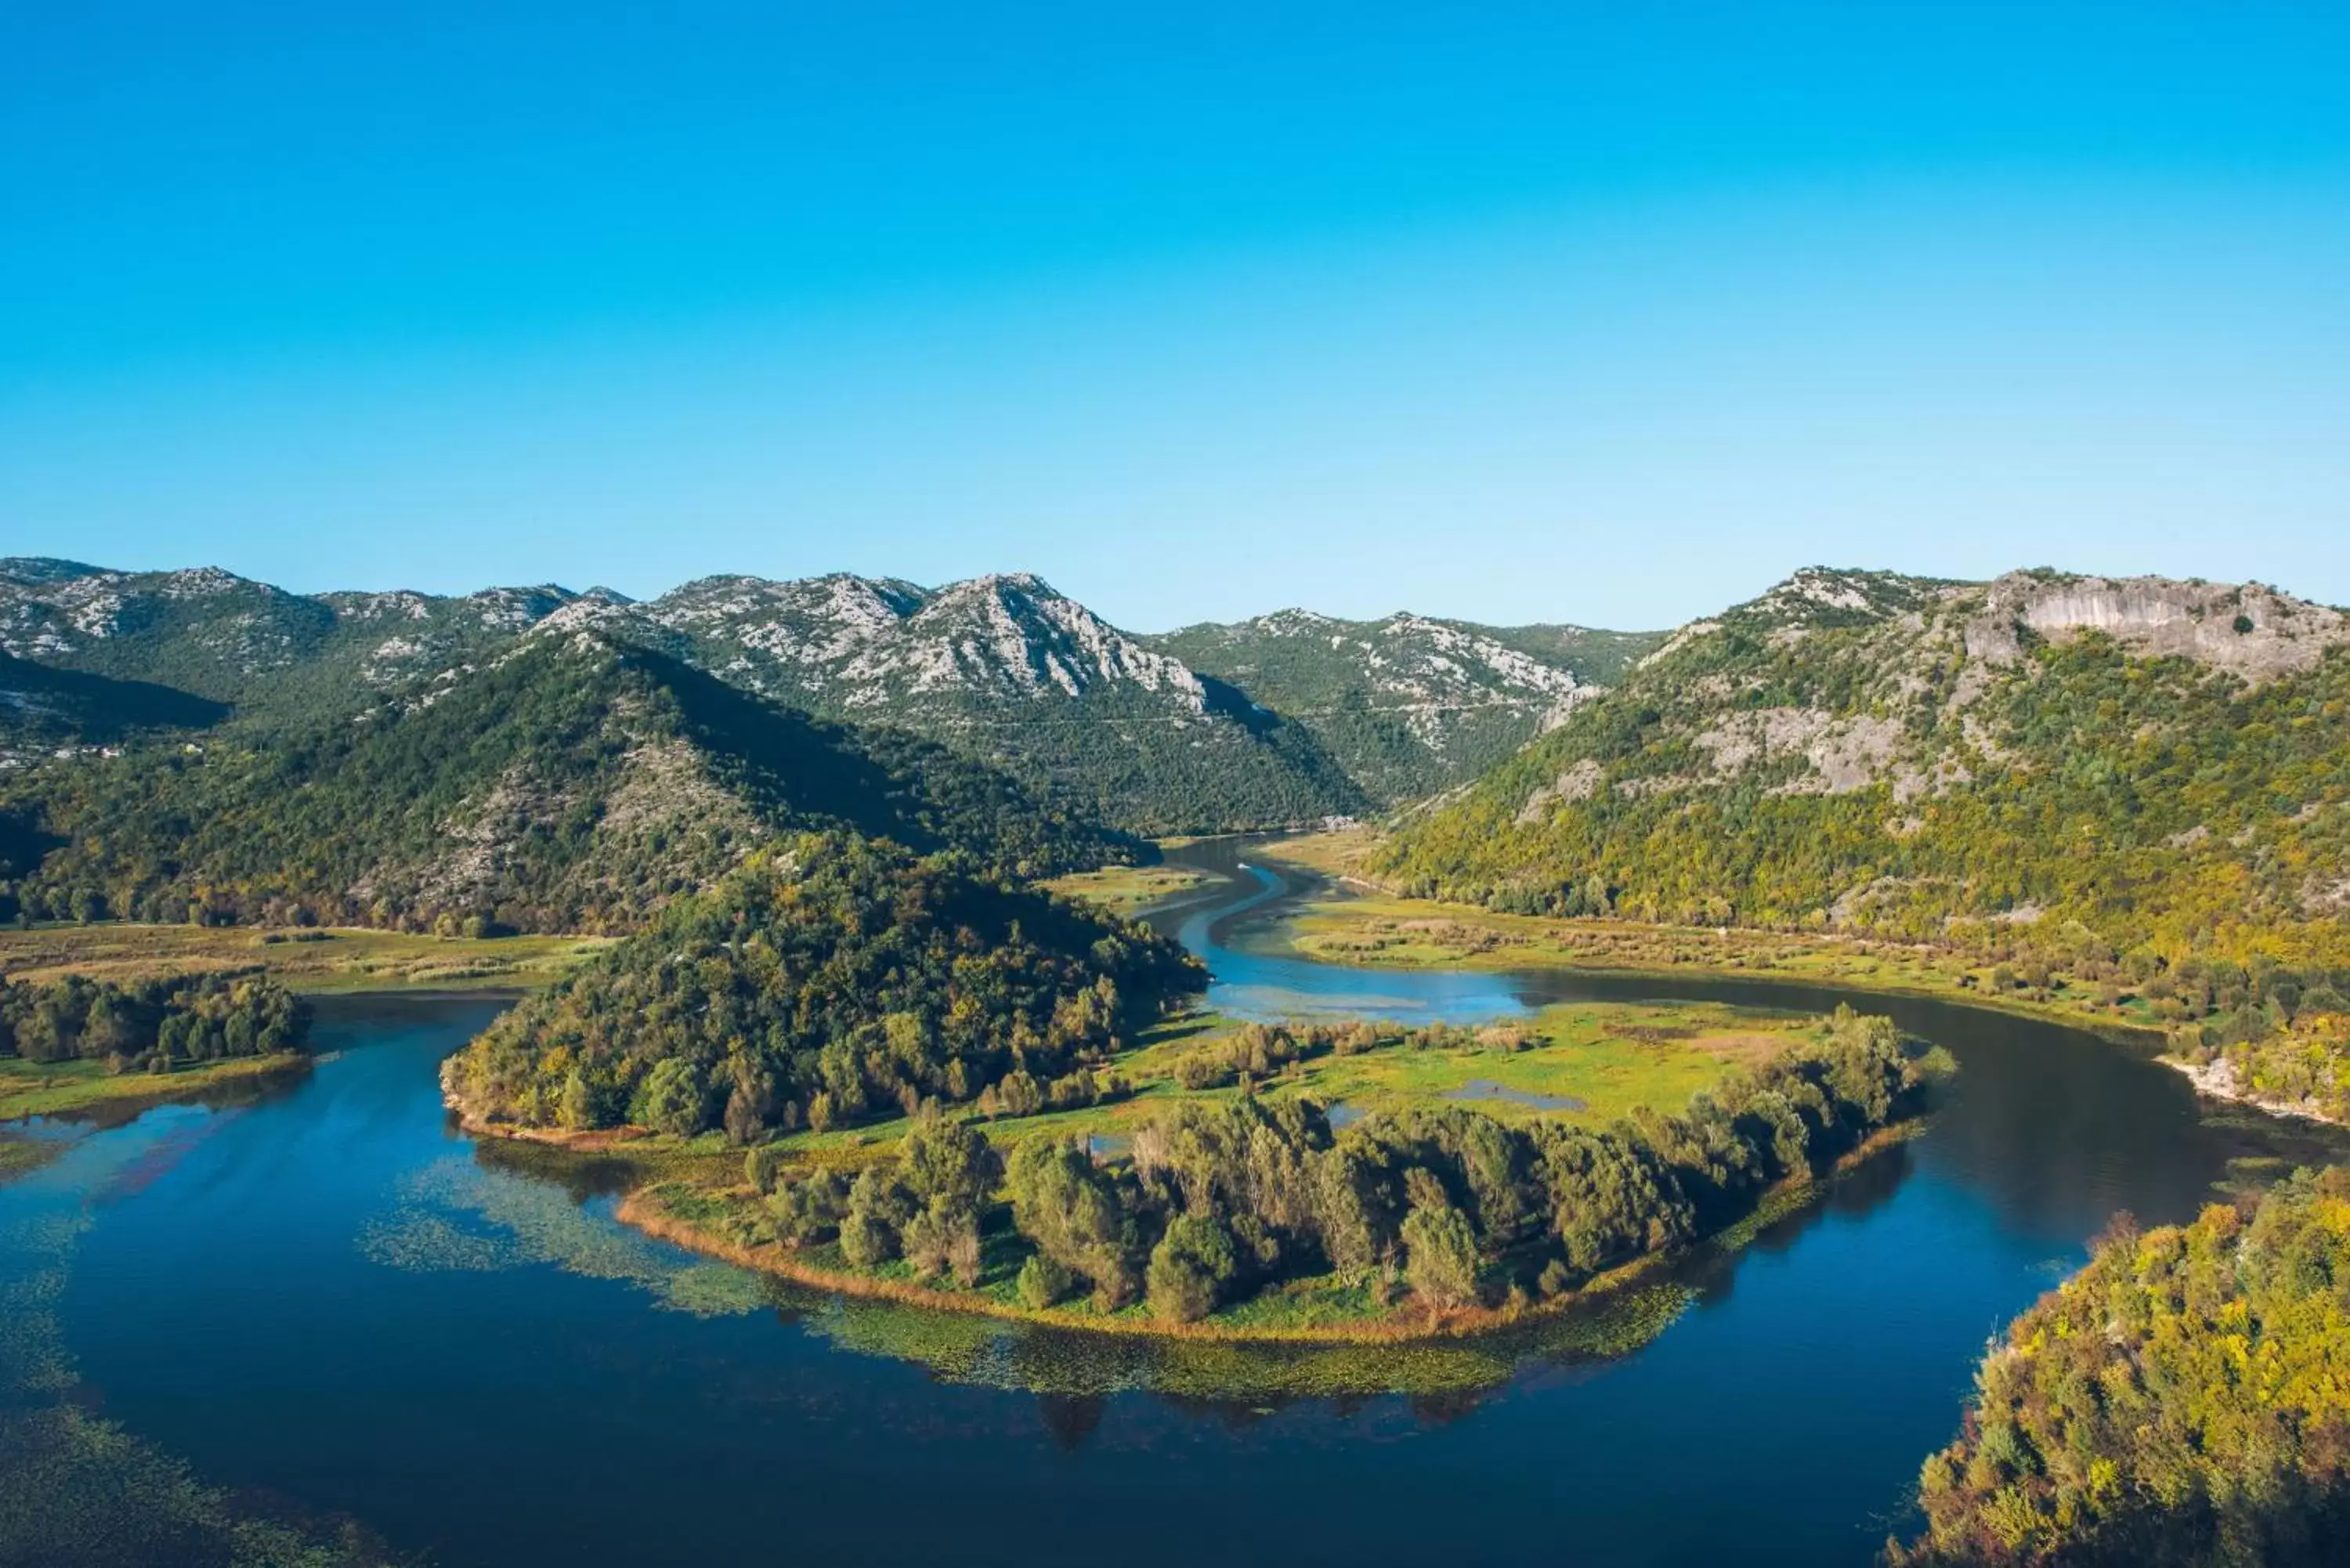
1316, 1179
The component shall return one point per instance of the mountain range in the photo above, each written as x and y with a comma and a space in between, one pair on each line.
2118, 763
1265, 724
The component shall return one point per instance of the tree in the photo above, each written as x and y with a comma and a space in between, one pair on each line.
1440, 1255
674, 1098
948, 1164
1189, 1268
871, 1230
1075, 1215
1043, 1281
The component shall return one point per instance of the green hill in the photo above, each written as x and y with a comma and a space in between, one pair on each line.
573, 784
1001, 668
43, 709
2183, 1399
826, 979
2070, 763
279, 658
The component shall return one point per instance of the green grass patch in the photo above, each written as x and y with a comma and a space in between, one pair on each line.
64, 1088
308, 958
1128, 889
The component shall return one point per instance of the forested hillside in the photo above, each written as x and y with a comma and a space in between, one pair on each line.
1408, 706
2183, 1400
2059, 763
828, 979
43, 709
280, 658
1009, 671
573, 784
1001, 668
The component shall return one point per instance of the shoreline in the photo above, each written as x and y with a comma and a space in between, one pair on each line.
2115, 1031
640, 1210
141, 1091
2216, 1079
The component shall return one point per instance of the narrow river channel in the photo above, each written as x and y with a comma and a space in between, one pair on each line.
329, 1300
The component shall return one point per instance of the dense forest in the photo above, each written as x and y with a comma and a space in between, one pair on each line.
1225, 1198
1240, 766
2282, 1032
1850, 756
2185, 1400
573, 785
43, 709
156, 1024
829, 979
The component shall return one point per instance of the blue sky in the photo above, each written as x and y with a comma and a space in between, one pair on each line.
1517, 313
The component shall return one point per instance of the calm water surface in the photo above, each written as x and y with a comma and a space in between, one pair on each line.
331, 1299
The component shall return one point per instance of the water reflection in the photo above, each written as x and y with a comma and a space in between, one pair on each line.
333, 1295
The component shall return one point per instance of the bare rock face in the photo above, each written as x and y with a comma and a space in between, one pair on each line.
2252, 631
1842, 754
867, 645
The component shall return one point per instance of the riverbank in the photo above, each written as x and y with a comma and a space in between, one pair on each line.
2218, 1079
656, 1210
1363, 924
317, 960
86, 1089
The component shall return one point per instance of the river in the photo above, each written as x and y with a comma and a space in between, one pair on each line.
329, 1300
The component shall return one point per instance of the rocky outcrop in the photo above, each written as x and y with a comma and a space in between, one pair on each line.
2250, 629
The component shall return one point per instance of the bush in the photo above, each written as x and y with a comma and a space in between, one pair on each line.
811, 1210
674, 1099
1189, 1268
1440, 1256
1043, 1282
760, 1166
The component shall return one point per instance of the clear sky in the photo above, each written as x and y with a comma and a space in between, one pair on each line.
1609, 313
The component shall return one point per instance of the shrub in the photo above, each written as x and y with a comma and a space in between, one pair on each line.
1044, 1281
1189, 1268
1440, 1255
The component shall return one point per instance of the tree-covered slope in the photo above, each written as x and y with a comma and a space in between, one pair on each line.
827, 978
2132, 763
43, 709
574, 784
2183, 1400
1002, 669
279, 657
1007, 669
1408, 706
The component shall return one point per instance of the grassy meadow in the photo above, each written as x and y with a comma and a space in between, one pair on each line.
1128, 889
309, 959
